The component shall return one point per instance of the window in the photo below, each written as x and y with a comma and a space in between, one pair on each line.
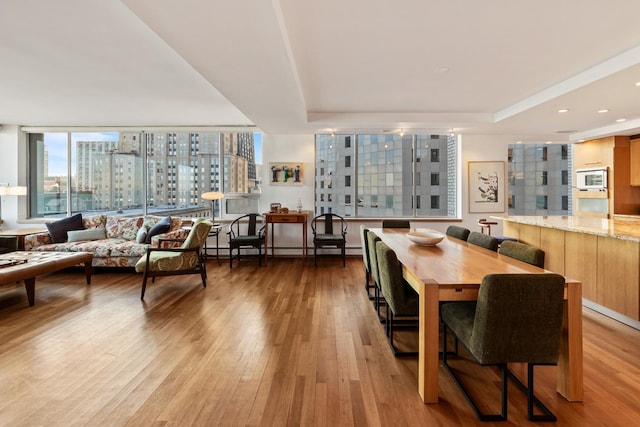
387, 171
103, 172
435, 202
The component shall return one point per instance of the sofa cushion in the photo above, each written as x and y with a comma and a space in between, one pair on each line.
88, 234
160, 227
141, 236
58, 229
128, 249
121, 227
95, 221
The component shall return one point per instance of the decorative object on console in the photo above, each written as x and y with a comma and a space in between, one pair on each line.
213, 196
8, 190
274, 207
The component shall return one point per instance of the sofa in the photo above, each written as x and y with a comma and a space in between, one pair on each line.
113, 241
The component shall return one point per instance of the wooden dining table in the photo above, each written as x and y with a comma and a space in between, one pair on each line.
452, 270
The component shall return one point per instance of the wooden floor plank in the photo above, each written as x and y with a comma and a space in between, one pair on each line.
286, 344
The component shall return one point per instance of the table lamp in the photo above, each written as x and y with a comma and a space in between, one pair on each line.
8, 190
213, 196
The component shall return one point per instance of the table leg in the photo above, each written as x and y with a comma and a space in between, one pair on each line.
570, 368
88, 269
428, 359
30, 287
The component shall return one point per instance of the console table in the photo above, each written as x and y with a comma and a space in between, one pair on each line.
286, 218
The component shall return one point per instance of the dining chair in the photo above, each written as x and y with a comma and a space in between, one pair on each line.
365, 259
523, 252
517, 318
186, 259
378, 300
252, 237
396, 223
484, 240
458, 232
327, 237
402, 300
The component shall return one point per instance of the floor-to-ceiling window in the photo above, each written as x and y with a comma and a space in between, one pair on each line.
388, 175
126, 173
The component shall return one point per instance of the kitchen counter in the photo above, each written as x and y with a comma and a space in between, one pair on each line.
625, 227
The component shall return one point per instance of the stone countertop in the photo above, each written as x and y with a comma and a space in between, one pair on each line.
620, 227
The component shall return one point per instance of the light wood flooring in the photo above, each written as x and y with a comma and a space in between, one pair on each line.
285, 344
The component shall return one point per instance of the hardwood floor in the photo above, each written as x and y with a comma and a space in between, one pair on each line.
286, 344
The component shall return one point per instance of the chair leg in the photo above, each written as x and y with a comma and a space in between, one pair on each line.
344, 256
389, 327
315, 263
532, 400
144, 284
203, 273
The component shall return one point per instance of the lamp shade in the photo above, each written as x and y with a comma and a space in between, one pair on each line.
18, 190
212, 195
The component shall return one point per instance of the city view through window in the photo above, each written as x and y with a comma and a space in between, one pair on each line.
128, 173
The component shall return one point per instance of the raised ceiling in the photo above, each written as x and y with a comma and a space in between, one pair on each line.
293, 66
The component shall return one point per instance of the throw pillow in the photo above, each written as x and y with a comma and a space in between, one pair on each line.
58, 229
142, 234
123, 227
88, 234
161, 226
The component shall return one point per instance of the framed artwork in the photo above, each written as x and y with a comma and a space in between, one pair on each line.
286, 173
486, 187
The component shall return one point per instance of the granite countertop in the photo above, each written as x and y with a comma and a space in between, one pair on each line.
620, 227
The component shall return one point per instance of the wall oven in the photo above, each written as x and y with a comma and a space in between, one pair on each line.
591, 179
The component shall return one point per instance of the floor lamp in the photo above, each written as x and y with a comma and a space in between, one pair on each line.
8, 190
213, 196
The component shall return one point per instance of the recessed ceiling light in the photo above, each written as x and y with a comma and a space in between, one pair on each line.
638, 84
604, 110
563, 110
518, 142
549, 142
621, 120
441, 70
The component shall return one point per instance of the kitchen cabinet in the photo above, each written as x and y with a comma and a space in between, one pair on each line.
634, 161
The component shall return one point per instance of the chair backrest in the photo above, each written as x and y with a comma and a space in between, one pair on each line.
484, 240
394, 288
518, 318
523, 252
198, 234
396, 223
253, 220
372, 238
329, 219
458, 232
365, 248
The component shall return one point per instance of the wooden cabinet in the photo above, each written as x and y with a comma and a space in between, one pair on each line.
618, 276
634, 161
580, 256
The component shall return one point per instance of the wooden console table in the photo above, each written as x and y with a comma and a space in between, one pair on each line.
286, 218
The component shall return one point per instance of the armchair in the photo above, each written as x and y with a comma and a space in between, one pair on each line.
186, 259
253, 238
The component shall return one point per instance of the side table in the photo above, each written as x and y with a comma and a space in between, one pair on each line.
286, 218
20, 234
214, 232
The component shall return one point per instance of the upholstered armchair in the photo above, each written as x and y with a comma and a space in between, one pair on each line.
458, 232
378, 300
523, 252
517, 318
186, 259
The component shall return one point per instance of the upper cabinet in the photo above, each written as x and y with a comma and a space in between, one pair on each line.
634, 159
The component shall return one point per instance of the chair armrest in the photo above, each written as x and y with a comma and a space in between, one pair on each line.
179, 233
174, 242
37, 239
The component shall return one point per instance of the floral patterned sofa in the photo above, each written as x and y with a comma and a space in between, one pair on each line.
123, 243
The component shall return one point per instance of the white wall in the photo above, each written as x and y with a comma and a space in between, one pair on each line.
13, 162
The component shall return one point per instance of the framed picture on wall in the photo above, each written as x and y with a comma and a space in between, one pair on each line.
487, 189
286, 173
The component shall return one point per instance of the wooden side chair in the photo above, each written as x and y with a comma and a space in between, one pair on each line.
252, 237
327, 237
523, 252
517, 318
458, 232
186, 259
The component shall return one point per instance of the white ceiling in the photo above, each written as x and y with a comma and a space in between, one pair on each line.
306, 66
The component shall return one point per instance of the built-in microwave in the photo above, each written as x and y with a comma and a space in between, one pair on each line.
591, 179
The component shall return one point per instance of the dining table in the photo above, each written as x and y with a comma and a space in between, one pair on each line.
452, 270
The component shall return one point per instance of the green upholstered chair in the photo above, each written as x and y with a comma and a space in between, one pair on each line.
484, 240
365, 259
523, 252
186, 259
458, 232
517, 318
252, 237
402, 300
333, 234
396, 223
378, 299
